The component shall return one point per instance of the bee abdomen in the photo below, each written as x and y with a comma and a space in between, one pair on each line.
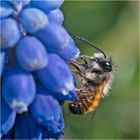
76, 108
94, 103
85, 104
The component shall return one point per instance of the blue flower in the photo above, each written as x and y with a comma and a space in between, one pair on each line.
36, 77
53, 36
5, 9
18, 5
70, 52
18, 89
35, 18
46, 110
47, 5
46, 134
7, 117
55, 69
31, 54
10, 35
56, 16
27, 128
2, 62
60, 96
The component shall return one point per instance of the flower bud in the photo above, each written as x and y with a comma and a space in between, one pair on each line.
18, 89
47, 5
56, 76
31, 54
46, 110
5, 9
27, 128
10, 34
7, 117
35, 18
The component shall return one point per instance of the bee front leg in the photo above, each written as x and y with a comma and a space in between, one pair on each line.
77, 72
80, 90
85, 58
77, 68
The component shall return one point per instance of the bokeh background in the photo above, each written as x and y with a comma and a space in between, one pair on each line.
114, 27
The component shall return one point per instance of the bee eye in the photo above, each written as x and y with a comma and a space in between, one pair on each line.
106, 66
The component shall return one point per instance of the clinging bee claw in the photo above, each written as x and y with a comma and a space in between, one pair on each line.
62, 133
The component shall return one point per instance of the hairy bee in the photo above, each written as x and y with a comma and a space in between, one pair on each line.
95, 75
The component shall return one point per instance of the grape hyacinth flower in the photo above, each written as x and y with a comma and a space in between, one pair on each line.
56, 16
41, 110
27, 128
7, 117
35, 75
10, 35
6, 10
18, 89
2, 62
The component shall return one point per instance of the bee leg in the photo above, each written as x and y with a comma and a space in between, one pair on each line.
79, 73
80, 90
84, 58
83, 91
77, 89
85, 61
77, 67
102, 96
77, 64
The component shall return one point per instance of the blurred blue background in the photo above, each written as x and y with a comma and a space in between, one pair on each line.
114, 27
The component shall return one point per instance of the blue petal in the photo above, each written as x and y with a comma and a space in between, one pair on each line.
10, 34
48, 134
31, 54
2, 62
7, 117
46, 111
5, 10
19, 4
56, 16
42, 90
70, 52
56, 76
53, 36
27, 128
47, 5
18, 89
35, 18
7, 136
24, 2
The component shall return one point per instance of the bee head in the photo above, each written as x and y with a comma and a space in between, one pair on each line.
103, 62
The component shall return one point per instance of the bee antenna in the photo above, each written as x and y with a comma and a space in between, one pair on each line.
91, 44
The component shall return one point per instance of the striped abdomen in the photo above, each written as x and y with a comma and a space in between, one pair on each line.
86, 103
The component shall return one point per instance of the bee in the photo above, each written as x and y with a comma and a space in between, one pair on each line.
95, 74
